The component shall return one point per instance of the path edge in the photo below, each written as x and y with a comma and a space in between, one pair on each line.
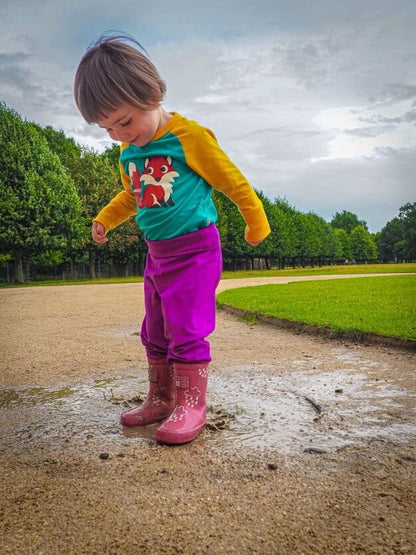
363, 338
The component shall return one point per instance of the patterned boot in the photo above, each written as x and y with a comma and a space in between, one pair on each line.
190, 415
160, 400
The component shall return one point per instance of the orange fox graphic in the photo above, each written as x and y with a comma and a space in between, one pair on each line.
157, 179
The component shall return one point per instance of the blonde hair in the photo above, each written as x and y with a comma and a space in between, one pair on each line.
112, 73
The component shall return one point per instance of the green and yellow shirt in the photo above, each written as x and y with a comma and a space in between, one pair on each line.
168, 184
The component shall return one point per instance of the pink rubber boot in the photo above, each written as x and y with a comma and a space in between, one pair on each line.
190, 415
160, 400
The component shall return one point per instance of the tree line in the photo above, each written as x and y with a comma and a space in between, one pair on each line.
51, 188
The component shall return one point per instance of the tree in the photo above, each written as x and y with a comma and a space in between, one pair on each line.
231, 227
285, 232
390, 241
315, 238
397, 239
309, 246
39, 205
97, 183
347, 220
343, 249
66, 148
407, 215
324, 242
362, 245
112, 153
263, 251
126, 245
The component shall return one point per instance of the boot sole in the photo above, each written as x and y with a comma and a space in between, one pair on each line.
140, 423
179, 438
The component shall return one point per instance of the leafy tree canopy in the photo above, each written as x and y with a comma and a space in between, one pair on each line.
39, 205
347, 220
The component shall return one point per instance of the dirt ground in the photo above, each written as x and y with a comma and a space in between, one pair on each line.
310, 446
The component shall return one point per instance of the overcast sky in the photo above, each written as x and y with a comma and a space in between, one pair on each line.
315, 100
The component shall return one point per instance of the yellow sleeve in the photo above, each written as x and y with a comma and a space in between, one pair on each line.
205, 157
120, 208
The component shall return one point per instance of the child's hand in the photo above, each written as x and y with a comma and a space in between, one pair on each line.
250, 234
98, 233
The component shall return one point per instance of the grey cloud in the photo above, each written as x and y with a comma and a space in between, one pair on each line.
410, 116
321, 187
309, 62
402, 156
258, 76
407, 117
16, 77
394, 92
369, 132
8, 59
380, 119
286, 144
12, 73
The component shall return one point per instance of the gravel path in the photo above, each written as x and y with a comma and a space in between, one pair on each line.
310, 448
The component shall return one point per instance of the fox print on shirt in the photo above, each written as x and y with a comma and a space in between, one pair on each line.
153, 188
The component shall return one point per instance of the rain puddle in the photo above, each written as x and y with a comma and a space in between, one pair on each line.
320, 412
295, 412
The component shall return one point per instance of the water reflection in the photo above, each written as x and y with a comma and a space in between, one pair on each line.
290, 413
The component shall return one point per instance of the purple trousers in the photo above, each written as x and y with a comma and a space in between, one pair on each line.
180, 280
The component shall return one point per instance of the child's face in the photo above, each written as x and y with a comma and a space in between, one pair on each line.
129, 124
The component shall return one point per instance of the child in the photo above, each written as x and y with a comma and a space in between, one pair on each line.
169, 166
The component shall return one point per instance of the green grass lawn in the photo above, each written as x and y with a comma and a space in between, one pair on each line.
326, 270
382, 305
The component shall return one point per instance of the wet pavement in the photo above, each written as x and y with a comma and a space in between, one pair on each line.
310, 446
303, 410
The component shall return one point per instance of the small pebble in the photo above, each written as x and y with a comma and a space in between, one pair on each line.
104, 456
272, 466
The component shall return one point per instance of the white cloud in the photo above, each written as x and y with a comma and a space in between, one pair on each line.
315, 102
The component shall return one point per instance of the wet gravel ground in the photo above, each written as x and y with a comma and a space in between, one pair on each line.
310, 446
